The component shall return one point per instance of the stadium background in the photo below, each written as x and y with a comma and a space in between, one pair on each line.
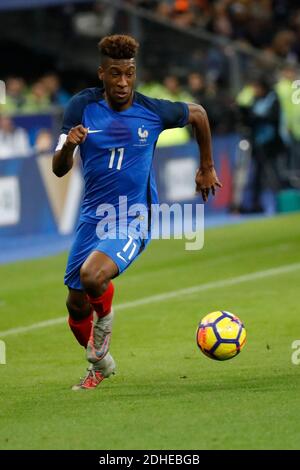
211, 52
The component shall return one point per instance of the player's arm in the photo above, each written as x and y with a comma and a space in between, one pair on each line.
206, 177
62, 161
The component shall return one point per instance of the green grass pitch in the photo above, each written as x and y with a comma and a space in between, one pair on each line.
166, 394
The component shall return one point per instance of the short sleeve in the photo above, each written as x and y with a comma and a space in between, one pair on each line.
173, 114
73, 114
75, 108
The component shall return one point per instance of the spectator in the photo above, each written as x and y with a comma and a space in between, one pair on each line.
14, 141
44, 141
38, 100
174, 91
283, 45
15, 95
196, 86
291, 121
220, 21
263, 119
57, 95
150, 87
220, 108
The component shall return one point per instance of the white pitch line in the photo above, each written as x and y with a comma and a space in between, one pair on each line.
35, 326
168, 295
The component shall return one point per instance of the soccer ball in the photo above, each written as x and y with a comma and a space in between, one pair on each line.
221, 335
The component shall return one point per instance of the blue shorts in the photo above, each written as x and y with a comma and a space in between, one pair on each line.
123, 250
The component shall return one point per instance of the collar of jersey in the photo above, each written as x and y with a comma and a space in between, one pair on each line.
103, 100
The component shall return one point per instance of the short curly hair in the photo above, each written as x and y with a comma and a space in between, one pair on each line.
118, 46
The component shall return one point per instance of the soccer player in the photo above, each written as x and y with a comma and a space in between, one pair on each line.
115, 130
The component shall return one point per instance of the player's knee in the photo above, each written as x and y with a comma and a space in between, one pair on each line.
93, 281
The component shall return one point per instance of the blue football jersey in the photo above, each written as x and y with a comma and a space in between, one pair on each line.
118, 151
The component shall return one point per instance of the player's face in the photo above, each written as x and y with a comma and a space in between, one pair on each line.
118, 77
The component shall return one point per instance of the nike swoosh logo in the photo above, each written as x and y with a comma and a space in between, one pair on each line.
121, 257
94, 131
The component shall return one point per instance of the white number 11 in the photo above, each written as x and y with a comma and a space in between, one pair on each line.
112, 157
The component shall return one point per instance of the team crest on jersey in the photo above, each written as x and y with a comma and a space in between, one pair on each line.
143, 134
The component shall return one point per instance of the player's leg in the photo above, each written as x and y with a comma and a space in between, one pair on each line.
80, 321
95, 276
81, 311
80, 315
110, 258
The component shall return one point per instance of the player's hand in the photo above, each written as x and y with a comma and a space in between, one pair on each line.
77, 135
206, 181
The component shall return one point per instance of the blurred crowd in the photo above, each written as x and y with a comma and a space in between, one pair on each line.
42, 96
259, 107
273, 26
266, 116
263, 113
